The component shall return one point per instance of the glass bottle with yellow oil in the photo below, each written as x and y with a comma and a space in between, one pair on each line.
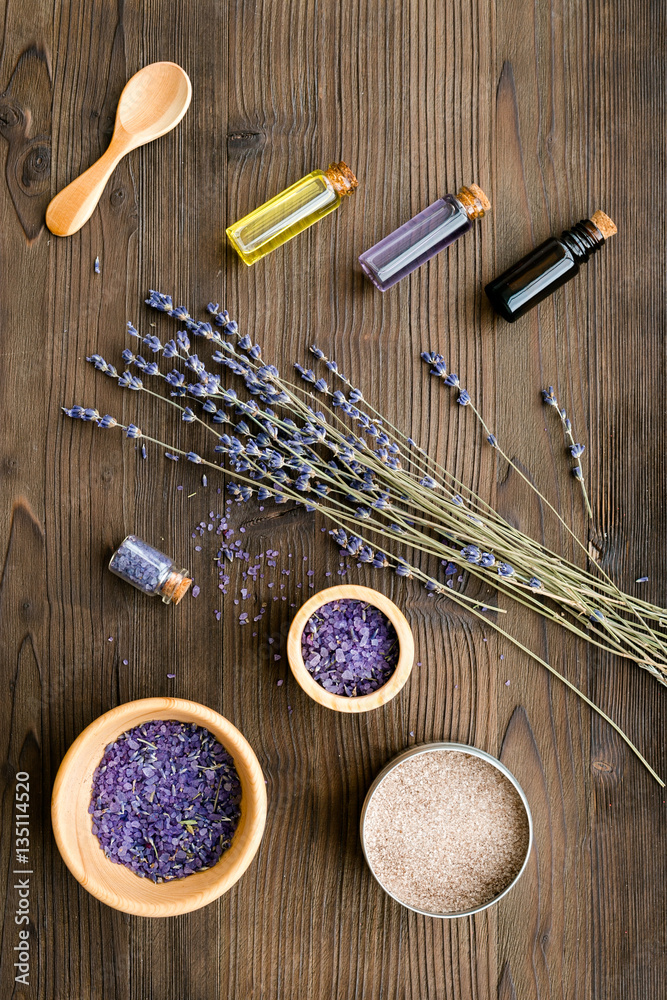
290, 212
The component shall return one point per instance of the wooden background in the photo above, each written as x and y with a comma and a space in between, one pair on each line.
555, 109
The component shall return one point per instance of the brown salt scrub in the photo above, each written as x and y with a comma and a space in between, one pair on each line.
445, 832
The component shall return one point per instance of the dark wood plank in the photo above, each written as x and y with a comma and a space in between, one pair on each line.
545, 107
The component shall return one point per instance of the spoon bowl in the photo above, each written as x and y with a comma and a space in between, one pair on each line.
152, 103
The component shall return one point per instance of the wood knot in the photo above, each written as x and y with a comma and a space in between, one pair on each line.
602, 765
10, 115
117, 197
245, 140
34, 168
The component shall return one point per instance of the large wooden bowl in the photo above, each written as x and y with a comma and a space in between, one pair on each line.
365, 702
115, 884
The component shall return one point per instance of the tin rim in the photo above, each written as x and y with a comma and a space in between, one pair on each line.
460, 748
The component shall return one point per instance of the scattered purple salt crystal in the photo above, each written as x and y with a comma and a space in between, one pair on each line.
125, 662
204, 481
350, 647
507, 684
280, 682
642, 579
110, 639
502, 656
96, 265
196, 590
165, 800
171, 676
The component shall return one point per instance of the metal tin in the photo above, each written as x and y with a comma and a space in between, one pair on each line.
473, 752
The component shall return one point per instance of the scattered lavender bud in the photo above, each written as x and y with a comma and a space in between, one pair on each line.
96, 265
642, 579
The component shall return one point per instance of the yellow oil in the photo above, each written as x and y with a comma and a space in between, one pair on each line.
283, 217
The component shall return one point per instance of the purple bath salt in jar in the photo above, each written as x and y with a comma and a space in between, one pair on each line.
149, 570
415, 242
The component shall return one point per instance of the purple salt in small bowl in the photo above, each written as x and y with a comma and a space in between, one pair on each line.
342, 702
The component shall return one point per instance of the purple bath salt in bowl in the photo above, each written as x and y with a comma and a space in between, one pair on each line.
350, 647
165, 800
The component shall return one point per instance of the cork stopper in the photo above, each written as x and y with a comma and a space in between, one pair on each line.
343, 180
175, 587
604, 224
474, 201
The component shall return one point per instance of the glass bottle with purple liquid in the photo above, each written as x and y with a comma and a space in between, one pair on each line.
415, 242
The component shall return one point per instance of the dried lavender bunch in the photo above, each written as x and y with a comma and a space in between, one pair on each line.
383, 494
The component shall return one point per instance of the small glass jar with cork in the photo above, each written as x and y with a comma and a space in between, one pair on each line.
287, 214
149, 570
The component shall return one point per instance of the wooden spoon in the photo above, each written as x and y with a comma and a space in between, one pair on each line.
152, 103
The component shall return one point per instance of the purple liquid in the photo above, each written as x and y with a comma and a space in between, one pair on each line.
415, 242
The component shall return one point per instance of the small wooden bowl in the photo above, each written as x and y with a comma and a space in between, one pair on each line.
115, 884
365, 702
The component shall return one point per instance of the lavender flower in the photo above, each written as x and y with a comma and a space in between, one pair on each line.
575, 449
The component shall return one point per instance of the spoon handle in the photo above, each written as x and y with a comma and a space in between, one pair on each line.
75, 204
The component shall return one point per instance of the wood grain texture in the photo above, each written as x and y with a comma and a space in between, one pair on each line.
555, 110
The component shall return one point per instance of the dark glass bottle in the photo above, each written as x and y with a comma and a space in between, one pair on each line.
547, 267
